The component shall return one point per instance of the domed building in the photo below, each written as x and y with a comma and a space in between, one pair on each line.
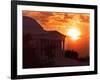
41, 48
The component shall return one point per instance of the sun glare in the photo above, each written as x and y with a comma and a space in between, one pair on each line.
73, 33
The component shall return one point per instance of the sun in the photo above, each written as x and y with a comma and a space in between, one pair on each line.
73, 33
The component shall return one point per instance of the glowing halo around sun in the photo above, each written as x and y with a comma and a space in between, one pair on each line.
74, 33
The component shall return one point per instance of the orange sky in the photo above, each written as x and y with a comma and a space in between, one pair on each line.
62, 22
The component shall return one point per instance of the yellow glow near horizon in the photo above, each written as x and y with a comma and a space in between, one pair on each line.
73, 33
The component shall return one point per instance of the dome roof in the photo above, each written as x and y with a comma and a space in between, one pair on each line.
30, 25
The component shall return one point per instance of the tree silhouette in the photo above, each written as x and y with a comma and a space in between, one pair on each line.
71, 54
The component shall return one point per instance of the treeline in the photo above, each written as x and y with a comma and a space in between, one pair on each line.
75, 55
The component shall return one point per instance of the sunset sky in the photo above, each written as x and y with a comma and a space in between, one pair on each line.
75, 26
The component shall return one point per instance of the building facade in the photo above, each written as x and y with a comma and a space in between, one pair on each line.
41, 48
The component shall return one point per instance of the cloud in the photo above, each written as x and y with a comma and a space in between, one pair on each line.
60, 21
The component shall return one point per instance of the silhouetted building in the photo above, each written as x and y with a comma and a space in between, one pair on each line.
41, 48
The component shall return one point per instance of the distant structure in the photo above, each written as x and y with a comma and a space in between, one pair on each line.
41, 48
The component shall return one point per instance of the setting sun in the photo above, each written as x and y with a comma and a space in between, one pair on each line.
73, 33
